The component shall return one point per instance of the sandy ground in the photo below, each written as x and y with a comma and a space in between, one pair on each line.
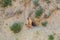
52, 27
30, 34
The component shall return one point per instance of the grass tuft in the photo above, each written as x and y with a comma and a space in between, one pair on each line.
5, 3
35, 2
51, 37
44, 24
16, 27
39, 12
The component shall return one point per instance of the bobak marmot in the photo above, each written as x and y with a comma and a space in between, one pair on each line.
29, 22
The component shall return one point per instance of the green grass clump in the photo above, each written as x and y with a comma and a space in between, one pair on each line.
35, 2
5, 3
39, 12
16, 27
44, 23
51, 37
